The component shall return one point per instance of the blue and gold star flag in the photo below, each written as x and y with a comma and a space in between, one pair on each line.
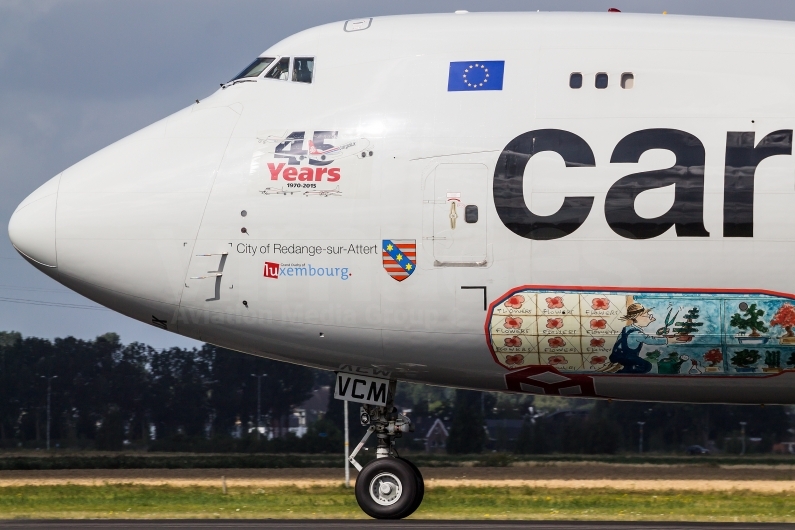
399, 257
475, 76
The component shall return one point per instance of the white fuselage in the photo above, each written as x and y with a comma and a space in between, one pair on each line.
153, 225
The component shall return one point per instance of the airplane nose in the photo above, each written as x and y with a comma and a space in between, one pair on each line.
32, 226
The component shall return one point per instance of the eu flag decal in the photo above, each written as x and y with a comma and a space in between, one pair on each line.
399, 257
475, 76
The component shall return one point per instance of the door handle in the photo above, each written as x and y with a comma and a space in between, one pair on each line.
453, 215
213, 274
437, 263
210, 274
217, 274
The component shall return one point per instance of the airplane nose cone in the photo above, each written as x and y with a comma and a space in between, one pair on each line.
32, 226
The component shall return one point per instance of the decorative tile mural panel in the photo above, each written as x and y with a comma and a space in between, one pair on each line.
665, 333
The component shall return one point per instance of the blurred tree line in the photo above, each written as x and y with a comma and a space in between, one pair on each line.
106, 392
548, 425
613, 426
205, 399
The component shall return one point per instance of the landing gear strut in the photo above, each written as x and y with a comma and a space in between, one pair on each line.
389, 487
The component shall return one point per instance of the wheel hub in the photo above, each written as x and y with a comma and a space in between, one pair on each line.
385, 489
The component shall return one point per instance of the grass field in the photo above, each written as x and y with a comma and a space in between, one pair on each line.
133, 501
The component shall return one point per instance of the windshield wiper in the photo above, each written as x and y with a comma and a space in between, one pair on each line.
236, 81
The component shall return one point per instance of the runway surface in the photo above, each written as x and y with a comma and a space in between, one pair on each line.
378, 525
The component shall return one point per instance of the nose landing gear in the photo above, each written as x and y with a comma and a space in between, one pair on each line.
389, 487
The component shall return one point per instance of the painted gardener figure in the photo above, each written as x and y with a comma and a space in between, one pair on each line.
626, 350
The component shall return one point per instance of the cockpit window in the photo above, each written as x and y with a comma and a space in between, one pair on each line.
302, 69
280, 70
255, 68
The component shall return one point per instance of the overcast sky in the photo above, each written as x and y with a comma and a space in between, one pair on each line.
76, 76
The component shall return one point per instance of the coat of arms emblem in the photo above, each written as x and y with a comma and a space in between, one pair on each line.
399, 257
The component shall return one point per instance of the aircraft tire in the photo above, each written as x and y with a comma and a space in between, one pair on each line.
387, 488
420, 486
